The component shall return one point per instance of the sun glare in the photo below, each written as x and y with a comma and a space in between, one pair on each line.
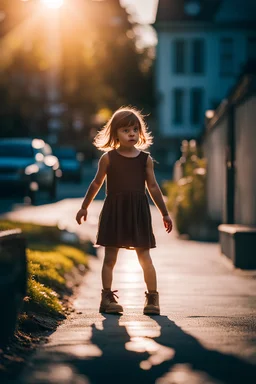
53, 3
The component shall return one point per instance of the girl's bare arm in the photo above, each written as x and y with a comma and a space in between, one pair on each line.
94, 187
156, 194
97, 182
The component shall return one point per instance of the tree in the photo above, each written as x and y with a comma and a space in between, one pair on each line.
99, 66
19, 87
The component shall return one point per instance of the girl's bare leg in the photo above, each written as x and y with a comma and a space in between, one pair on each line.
108, 265
148, 268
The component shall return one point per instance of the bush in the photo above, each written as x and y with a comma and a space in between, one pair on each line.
171, 190
186, 198
190, 207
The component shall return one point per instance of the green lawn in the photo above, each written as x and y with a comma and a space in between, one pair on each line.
51, 266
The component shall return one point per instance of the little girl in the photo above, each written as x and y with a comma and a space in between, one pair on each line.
125, 220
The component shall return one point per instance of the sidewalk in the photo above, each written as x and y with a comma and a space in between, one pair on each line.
205, 334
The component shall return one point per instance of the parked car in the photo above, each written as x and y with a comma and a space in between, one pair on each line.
70, 163
26, 166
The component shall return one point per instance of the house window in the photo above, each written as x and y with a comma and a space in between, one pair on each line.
178, 105
251, 48
196, 105
179, 56
226, 57
198, 56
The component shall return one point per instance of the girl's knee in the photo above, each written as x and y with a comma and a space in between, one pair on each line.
110, 256
144, 257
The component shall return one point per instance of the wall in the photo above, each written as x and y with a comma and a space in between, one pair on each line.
245, 176
230, 148
215, 152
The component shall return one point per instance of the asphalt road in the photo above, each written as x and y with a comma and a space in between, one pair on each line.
66, 189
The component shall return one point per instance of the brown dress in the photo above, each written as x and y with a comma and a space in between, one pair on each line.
125, 219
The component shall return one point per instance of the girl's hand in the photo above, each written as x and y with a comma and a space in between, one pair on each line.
167, 223
82, 213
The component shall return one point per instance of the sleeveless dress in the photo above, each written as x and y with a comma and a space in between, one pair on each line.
125, 219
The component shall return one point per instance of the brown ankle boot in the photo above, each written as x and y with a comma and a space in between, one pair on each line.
152, 304
108, 302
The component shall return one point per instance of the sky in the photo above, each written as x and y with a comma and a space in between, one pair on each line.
145, 10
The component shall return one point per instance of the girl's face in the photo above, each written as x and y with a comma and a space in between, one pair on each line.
128, 136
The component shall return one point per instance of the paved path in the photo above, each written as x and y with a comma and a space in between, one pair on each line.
205, 334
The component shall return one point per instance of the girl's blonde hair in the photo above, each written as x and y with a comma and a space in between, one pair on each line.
106, 139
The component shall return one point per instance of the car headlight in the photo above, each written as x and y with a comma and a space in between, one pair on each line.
30, 169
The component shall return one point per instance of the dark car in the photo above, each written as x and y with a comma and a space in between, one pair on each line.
26, 166
70, 163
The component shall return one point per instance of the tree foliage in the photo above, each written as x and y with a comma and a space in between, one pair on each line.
89, 50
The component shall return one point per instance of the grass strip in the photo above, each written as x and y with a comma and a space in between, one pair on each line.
54, 270
49, 269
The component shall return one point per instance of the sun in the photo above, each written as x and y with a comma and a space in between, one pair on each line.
53, 3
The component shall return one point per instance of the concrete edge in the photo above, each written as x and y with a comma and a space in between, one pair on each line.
251, 273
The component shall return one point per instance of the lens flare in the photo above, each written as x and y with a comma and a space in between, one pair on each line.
53, 3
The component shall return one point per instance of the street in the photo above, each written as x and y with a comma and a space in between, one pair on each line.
205, 333
64, 190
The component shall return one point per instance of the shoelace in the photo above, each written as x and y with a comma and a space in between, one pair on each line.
111, 295
151, 297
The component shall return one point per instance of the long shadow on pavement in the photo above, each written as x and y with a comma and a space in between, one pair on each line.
119, 365
226, 368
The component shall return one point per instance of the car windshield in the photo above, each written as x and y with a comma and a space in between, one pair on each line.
16, 150
62, 153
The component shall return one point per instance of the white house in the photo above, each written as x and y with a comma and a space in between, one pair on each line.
202, 47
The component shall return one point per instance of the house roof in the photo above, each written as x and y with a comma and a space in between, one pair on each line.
219, 11
236, 10
174, 10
